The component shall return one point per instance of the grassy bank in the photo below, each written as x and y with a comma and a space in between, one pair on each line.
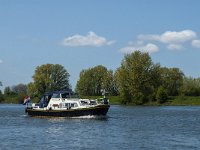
116, 100
184, 101
172, 101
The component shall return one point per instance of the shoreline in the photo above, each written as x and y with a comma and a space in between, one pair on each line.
172, 101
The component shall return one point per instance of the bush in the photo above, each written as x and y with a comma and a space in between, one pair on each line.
139, 98
161, 95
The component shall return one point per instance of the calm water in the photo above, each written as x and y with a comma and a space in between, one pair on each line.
125, 127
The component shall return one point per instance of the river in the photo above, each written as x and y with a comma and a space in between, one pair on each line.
125, 127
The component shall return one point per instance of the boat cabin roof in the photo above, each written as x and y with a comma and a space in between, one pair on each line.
59, 94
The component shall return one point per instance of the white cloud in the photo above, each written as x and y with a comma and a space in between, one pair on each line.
177, 37
173, 39
196, 43
170, 36
1, 61
175, 46
91, 39
150, 48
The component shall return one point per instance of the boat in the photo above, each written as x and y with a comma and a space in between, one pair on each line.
63, 104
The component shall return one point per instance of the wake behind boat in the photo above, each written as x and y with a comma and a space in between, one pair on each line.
61, 104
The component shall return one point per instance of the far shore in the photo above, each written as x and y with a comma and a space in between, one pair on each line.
172, 101
116, 100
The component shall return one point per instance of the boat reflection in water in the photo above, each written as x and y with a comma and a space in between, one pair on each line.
62, 104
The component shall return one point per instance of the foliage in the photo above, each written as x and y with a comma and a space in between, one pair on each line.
161, 95
172, 80
137, 78
93, 80
14, 98
183, 100
15, 94
49, 77
20, 88
7, 91
138, 81
190, 87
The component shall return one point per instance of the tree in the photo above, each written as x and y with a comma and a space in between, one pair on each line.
190, 87
49, 77
172, 80
19, 89
7, 91
161, 95
137, 78
93, 80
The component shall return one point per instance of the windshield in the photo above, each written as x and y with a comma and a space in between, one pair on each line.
56, 95
66, 95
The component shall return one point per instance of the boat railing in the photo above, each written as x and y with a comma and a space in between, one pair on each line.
104, 101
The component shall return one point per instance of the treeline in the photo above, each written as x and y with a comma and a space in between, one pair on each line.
138, 80
14, 94
48, 77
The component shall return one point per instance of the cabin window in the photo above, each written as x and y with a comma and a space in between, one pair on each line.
67, 105
66, 95
55, 95
84, 102
74, 105
92, 102
70, 105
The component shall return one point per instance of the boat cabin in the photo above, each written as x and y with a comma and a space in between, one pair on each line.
62, 100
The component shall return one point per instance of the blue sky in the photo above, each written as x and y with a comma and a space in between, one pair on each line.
79, 34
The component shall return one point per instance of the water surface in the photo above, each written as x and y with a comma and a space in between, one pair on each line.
125, 127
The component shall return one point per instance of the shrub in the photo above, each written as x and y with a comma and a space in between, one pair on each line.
161, 95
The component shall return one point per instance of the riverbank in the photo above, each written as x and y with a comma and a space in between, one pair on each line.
183, 101
116, 100
172, 101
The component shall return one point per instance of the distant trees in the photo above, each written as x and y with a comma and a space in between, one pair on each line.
7, 91
16, 89
172, 80
137, 78
49, 77
15, 93
20, 89
93, 80
190, 87
137, 81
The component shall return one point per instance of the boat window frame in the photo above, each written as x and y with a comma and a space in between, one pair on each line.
56, 95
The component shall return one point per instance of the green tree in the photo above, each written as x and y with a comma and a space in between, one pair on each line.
49, 77
7, 91
93, 80
172, 80
19, 89
190, 87
161, 95
137, 78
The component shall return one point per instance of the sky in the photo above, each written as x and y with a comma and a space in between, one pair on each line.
80, 34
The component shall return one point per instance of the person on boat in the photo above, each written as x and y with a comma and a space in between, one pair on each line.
27, 99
